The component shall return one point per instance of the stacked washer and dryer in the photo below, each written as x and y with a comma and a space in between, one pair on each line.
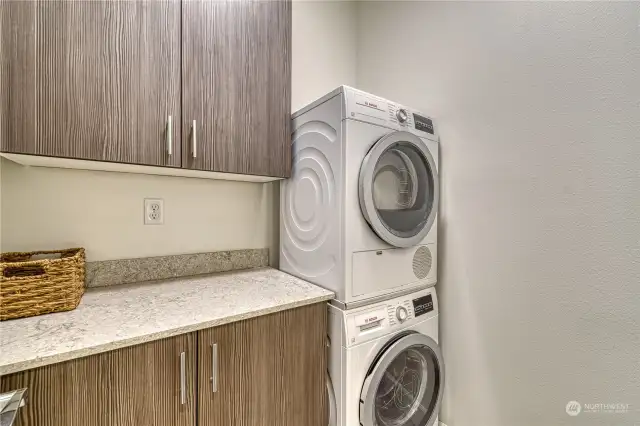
359, 217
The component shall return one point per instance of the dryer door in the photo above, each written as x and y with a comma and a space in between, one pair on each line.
404, 384
399, 189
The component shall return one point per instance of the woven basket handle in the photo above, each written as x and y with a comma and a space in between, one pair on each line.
24, 270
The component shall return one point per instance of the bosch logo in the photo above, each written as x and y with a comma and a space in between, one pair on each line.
371, 104
371, 319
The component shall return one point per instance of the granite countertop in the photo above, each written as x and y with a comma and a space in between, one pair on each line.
113, 317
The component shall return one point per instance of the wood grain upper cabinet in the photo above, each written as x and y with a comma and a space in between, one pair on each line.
236, 69
91, 79
266, 371
136, 386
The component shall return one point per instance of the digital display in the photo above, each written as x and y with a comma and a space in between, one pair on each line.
422, 305
423, 124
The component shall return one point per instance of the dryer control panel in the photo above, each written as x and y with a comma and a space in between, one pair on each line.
373, 109
392, 315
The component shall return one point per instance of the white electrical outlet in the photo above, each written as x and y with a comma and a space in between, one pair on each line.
153, 211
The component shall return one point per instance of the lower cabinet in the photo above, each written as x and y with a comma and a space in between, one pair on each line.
139, 385
264, 371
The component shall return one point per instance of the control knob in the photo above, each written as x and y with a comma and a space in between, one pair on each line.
402, 314
402, 115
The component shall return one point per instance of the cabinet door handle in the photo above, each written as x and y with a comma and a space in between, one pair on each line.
183, 378
194, 147
169, 135
214, 367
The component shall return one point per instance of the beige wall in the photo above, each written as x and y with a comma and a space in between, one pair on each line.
538, 105
103, 212
324, 48
52, 208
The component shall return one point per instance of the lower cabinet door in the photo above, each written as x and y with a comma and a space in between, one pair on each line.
146, 385
265, 371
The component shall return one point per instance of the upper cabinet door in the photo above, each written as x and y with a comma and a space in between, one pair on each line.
236, 68
91, 80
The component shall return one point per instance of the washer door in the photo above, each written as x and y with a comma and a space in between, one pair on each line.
404, 385
399, 189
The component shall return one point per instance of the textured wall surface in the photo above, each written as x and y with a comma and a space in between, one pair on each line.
539, 114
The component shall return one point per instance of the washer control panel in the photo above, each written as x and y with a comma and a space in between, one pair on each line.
389, 316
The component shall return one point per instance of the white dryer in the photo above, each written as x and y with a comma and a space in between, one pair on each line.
385, 365
359, 214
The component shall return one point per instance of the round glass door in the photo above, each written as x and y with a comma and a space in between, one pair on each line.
399, 189
404, 387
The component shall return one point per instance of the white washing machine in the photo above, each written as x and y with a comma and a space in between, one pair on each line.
358, 215
385, 365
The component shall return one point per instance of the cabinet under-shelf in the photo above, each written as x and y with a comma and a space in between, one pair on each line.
70, 163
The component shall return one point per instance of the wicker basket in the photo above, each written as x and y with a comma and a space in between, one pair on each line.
34, 287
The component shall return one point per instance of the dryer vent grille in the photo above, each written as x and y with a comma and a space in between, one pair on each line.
422, 260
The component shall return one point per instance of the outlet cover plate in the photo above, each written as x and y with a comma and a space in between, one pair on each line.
153, 211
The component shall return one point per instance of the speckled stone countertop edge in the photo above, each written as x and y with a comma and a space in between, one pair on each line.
96, 327
119, 344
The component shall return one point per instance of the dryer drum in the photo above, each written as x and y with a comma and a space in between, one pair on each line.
398, 189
